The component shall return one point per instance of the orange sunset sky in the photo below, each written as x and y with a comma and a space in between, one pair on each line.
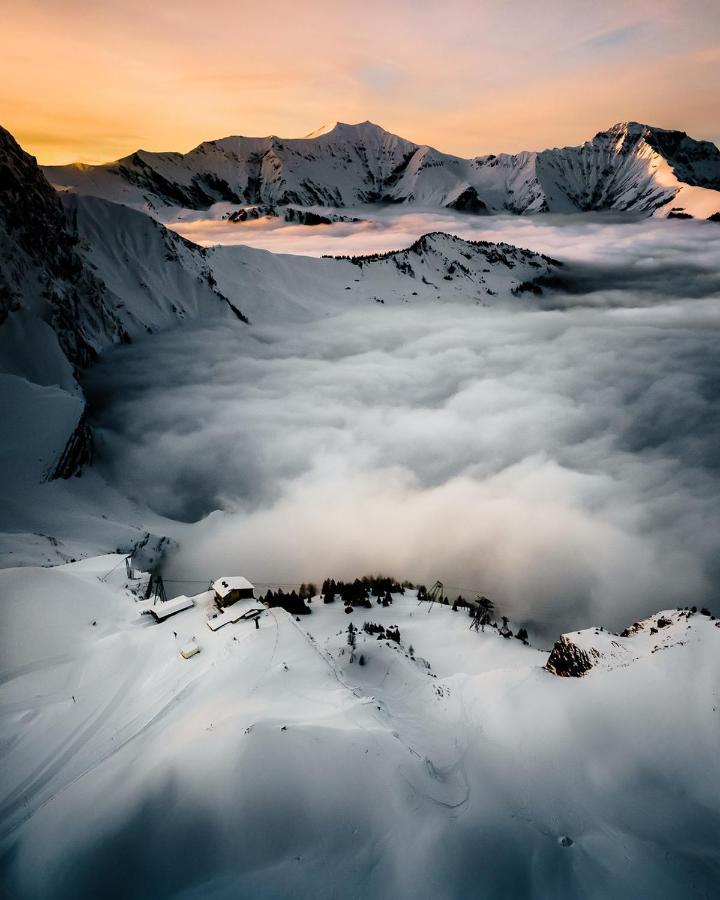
92, 80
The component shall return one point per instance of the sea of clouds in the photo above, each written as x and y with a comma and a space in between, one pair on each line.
563, 460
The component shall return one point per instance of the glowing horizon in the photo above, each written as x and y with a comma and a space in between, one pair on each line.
91, 82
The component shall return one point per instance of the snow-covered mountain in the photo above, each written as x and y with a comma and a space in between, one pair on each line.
632, 167
629, 167
440, 266
83, 273
437, 268
96, 272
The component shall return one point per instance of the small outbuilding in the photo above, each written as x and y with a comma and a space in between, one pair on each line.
229, 590
190, 649
161, 611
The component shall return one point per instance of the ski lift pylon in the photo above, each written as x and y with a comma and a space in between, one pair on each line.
434, 595
157, 589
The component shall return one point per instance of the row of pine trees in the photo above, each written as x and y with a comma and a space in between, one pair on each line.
379, 588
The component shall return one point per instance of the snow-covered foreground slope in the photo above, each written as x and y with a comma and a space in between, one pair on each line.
272, 764
629, 167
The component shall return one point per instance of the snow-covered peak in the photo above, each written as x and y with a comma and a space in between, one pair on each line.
635, 130
442, 267
628, 129
323, 129
357, 130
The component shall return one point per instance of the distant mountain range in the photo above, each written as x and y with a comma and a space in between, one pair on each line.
630, 167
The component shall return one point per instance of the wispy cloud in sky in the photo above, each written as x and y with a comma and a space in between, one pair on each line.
616, 37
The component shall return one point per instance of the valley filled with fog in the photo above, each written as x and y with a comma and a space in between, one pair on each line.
556, 452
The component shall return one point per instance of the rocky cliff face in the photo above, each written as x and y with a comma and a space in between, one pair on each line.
54, 316
696, 163
41, 272
77, 453
568, 660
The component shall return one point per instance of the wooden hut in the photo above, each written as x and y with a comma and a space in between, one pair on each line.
230, 589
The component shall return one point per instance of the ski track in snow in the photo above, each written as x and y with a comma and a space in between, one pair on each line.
53, 764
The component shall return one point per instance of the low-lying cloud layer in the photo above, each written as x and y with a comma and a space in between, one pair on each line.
564, 461
604, 238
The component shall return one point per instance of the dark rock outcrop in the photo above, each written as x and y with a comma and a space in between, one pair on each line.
568, 660
469, 201
40, 267
289, 213
78, 452
251, 214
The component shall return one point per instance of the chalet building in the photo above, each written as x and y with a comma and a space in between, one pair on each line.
229, 590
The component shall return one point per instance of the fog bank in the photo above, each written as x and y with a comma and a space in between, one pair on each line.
561, 460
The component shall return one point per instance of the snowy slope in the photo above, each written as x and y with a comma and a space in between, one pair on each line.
440, 266
153, 278
634, 168
273, 764
629, 167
